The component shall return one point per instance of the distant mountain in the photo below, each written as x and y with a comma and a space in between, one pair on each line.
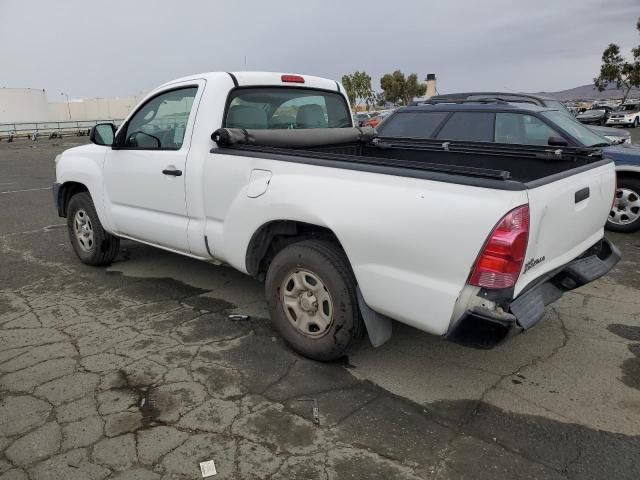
588, 92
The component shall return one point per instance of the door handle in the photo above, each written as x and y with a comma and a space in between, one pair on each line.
175, 173
581, 195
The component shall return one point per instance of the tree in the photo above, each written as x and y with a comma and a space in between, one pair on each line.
358, 87
378, 99
616, 70
347, 83
413, 89
400, 89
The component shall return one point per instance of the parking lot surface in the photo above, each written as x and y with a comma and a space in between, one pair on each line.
135, 371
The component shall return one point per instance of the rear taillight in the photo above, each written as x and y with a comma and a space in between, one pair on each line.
292, 79
500, 260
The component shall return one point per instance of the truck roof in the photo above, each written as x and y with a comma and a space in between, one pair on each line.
266, 79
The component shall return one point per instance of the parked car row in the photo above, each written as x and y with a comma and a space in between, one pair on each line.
361, 118
370, 119
626, 115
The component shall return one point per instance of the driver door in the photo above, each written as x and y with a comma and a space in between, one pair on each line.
144, 173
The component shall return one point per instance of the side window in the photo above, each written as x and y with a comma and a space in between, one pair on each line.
517, 128
161, 122
468, 127
412, 124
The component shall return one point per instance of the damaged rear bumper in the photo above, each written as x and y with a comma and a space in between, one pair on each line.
485, 328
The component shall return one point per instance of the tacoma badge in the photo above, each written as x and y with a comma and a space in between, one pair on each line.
532, 263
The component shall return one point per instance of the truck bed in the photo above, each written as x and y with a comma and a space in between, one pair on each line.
506, 167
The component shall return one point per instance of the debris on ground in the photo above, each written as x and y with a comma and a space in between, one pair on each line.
315, 412
208, 469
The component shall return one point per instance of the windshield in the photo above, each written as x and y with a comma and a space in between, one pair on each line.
629, 108
591, 112
557, 105
286, 108
582, 134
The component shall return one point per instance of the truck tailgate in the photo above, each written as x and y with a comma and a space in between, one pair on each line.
567, 216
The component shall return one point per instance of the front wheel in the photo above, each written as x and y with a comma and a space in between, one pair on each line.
636, 122
91, 243
311, 293
625, 212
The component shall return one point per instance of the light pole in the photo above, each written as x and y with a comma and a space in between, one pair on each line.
68, 107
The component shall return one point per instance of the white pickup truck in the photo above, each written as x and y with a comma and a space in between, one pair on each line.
265, 172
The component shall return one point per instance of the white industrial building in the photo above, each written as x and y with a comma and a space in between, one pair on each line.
23, 105
30, 105
91, 109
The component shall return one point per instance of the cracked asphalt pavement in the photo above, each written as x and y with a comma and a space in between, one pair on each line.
136, 372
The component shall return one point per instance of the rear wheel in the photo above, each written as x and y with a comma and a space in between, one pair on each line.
625, 213
91, 243
311, 293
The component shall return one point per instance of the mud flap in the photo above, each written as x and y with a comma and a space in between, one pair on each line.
379, 327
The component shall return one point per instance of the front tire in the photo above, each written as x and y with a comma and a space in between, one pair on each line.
91, 243
625, 213
311, 294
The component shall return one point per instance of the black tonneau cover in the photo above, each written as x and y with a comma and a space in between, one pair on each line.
312, 137
515, 166
327, 137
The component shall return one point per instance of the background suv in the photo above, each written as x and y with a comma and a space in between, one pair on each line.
497, 121
627, 114
614, 135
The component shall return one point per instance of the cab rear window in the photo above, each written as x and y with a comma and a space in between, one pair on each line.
286, 108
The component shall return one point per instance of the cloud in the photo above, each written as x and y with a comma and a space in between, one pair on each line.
125, 47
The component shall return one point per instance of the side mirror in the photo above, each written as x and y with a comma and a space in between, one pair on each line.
103, 134
557, 141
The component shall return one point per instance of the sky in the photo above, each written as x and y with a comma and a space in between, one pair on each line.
93, 48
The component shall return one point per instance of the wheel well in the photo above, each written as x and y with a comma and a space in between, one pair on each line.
272, 237
623, 175
68, 190
628, 174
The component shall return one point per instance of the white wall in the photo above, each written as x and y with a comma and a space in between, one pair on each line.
31, 105
92, 109
57, 112
23, 105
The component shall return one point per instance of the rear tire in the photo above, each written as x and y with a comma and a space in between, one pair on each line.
91, 243
625, 213
311, 294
